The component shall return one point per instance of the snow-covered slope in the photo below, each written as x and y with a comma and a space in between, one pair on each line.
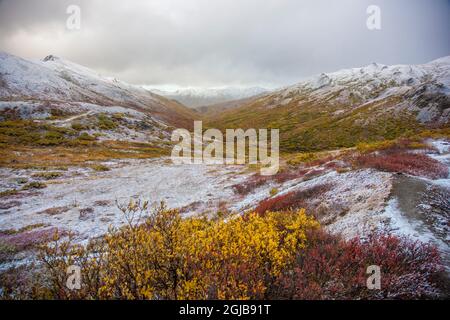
424, 88
377, 74
58, 81
198, 97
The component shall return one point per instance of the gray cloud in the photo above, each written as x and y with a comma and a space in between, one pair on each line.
225, 42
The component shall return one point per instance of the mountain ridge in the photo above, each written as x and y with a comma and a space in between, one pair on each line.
343, 108
61, 82
203, 97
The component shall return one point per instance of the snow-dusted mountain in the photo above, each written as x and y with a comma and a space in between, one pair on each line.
422, 88
198, 97
340, 109
58, 83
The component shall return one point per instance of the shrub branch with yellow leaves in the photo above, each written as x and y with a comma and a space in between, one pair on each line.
160, 255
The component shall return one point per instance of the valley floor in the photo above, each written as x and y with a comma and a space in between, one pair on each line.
85, 202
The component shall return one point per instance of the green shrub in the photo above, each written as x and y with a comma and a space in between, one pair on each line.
47, 175
86, 137
302, 157
78, 126
100, 167
34, 185
105, 123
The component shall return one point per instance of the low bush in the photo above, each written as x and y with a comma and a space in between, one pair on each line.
34, 185
100, 167
7, 193
283, 255
255, 181
47, 175
106, 123
252, 183
166, 257
314, 173
52, 138
392, 145
292, 200
79, 126
27, 132
87, 137
331, 268
289, 174
15, 241
302, 157
25, 239
404, 162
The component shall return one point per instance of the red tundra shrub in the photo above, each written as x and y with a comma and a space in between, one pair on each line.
287, 175
255, 181
410, 163
292, 200
332, 268
321, 161
250, 184
314, 173
25, 240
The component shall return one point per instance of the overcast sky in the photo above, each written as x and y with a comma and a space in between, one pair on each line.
225, 42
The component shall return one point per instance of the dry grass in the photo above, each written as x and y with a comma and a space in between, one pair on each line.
393, 145
8, 193
30, 143
20, 156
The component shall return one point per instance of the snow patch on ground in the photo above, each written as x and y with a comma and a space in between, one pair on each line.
443, 156
89, 201
399, 224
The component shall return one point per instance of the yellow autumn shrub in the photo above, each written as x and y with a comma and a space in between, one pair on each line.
164, 256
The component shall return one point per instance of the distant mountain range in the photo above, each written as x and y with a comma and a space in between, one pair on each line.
200, 97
